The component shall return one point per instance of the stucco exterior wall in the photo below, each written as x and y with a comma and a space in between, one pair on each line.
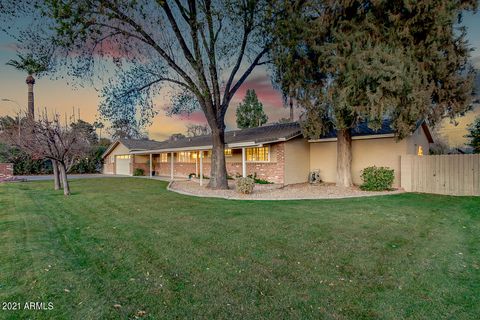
377, 152
297, 161
382, 152
323, 157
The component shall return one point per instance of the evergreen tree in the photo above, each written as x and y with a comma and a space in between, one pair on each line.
88, 129
351, 61
474, 136
250, 113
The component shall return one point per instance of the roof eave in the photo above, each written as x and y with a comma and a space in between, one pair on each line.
110, 148
426, 129
363, 137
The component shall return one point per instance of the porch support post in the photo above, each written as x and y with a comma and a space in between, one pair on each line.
171, 165
196, 162
244, 166
151, 166
201, 168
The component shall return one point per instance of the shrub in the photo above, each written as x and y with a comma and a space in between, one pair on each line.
245, 185
258, 180
377, 178
138, 172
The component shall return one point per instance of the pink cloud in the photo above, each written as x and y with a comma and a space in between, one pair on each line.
263, 87
195, 117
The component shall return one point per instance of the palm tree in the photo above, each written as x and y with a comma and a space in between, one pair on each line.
33, 67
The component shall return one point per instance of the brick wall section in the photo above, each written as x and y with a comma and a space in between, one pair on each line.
6, 170
109, 168
144, 166
272, 171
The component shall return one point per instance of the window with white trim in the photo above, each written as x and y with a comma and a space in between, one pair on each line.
228, 152
260, 154
123, 156
163, 157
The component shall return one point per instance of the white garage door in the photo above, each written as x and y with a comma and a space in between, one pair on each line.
123, 164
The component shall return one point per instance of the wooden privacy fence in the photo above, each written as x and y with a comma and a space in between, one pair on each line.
457, 174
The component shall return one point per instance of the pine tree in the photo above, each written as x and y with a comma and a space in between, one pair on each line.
352, 61
474, 136
250, 113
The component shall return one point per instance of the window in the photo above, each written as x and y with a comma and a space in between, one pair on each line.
228, 152
111, 159
124, 156
186, 156
163, 157
258, 154
420, 151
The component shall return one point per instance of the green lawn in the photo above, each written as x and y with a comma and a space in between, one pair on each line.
130, 242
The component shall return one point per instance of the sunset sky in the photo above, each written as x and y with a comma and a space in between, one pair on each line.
59, 96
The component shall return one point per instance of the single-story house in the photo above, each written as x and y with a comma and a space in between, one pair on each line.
277, 153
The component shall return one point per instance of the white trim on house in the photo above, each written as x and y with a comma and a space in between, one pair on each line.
200, 148
172, 150
372, 136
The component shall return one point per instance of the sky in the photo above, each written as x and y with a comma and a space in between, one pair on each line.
61, 97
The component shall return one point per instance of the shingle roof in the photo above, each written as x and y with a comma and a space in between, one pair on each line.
134, 144
270, 133
362, 129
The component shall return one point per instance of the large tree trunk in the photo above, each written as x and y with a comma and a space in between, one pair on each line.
344, 158
56, 175
218, 173
63, 174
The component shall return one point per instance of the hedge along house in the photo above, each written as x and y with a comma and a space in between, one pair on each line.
277, 153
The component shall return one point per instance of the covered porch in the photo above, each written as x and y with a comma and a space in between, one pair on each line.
241, 160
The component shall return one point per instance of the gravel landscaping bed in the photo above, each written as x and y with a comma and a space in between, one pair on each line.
275, 191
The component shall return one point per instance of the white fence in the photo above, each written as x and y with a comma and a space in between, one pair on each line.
457, 174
